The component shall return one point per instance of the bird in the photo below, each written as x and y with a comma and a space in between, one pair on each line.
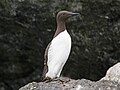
58, 50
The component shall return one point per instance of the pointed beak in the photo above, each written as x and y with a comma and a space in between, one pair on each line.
74, 14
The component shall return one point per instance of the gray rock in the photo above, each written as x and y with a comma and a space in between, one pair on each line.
70, 84
113, 73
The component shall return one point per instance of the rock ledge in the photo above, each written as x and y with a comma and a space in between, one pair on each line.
111, 81
70, 84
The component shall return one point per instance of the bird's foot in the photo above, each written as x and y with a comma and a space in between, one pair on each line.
47, 79
59, 80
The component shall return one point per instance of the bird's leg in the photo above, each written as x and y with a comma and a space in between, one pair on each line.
59, 80
47, 79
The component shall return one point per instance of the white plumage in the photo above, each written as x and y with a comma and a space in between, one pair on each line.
58, 53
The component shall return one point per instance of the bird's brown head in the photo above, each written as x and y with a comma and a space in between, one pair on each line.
61, 17
64, 15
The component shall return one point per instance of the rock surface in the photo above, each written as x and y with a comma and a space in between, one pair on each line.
110, 82
113, 73
70, 84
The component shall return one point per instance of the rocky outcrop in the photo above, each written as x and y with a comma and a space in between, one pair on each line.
70, 84
110, 82
113, 73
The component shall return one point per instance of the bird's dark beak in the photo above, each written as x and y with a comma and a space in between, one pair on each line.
74, 14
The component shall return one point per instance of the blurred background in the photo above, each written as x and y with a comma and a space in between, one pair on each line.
27, 26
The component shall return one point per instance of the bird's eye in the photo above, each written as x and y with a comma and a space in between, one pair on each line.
63, 14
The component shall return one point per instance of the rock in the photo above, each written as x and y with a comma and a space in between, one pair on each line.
30, 86
70, 84
110, 82
113, 73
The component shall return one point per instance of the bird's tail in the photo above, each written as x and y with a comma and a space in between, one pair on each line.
45, 70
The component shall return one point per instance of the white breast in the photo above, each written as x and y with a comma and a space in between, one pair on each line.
58, 53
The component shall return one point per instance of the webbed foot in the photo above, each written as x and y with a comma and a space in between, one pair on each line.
47, 79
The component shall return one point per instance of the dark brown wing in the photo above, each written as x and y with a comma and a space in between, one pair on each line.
45, 70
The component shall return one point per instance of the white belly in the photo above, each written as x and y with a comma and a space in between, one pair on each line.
58, 53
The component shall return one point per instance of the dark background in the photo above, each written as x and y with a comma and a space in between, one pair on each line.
27, 26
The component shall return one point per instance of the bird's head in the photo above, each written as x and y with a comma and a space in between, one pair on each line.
64, 15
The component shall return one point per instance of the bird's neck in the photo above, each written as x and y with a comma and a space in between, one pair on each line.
60, 27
